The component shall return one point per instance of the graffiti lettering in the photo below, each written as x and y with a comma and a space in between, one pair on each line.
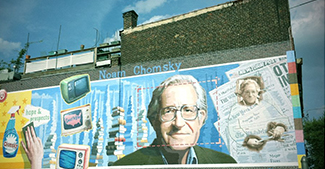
140, 70
256, 66
72, 119
39, 118
224, 100
282, 74
30, 112
106, 75
10, 145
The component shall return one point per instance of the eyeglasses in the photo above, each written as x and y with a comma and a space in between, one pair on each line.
188, 112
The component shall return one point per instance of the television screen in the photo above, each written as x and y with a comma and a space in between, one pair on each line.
75, 87
81, 86
73, 119
67, 159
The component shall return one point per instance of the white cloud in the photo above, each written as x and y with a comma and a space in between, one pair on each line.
114, 37
155, 18
144, 6
9, 48
309, 17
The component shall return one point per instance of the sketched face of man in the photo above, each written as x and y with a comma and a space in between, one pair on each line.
250, 94
180, 134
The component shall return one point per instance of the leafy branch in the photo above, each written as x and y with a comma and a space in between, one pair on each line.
15, 63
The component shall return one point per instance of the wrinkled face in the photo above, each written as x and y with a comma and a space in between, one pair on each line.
250, 94
180, 134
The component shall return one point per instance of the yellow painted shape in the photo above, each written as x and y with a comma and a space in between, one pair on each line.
299, 160
21, 99
18, 165
294, 89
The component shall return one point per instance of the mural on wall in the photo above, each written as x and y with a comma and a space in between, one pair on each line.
246, 118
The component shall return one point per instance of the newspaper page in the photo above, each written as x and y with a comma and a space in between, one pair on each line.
249, 128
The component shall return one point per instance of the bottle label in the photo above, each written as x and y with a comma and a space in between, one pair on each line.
10, 143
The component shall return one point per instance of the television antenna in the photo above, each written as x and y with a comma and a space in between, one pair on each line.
29, 43
97, 35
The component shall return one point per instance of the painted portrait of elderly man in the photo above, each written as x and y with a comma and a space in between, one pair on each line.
177, 112
249, 90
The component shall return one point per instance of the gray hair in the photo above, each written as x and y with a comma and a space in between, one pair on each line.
245, 83
155, 102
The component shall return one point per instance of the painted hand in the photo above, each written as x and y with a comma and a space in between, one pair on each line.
34, 149
278, 132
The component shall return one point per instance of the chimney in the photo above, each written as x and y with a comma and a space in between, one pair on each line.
130, 19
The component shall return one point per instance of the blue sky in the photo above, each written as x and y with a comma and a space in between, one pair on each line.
81, 21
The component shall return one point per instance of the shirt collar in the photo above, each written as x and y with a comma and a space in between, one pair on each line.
191, 157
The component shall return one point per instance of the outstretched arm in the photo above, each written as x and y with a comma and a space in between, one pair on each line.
34, 149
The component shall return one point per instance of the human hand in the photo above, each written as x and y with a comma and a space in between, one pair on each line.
34, 149
277, 132
253, 142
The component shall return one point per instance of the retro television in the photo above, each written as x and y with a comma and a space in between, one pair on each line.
73, 156
75, 120
74, 88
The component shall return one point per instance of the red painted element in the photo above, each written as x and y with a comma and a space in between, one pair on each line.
3, 95
189, 126
120, 139
72, 119
292, 67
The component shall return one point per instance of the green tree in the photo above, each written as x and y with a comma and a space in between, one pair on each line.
314, 136
5, 65
16, 63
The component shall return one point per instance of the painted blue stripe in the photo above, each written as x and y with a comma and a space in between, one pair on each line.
301, 148
296, 112
291, 56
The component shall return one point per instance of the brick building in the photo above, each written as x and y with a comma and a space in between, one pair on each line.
229, 32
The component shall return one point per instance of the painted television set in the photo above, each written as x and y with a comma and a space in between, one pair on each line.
75, 120
74, 88
73, 156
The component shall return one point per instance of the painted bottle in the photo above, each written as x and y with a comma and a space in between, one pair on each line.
10, 143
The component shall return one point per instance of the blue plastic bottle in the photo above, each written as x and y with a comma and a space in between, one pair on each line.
10, 143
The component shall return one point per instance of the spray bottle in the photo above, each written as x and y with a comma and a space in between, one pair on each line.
10, 139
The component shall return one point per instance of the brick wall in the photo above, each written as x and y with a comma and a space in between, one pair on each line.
245, 23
